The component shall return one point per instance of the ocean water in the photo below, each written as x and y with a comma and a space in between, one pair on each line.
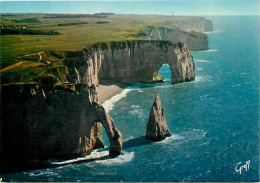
214, 120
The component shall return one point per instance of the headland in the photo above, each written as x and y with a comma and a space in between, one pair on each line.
54, 78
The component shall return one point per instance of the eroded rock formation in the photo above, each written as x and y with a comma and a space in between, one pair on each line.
38, 124
123, 61
131, 61
51, 121
156, 127
194, 40
188, 23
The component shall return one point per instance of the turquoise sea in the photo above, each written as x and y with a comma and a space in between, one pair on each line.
214, 119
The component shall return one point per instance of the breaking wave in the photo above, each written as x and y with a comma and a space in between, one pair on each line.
214, 32
137, 112
202, 78
169, 139
109, 104
42, 172
194, 134
202, 61
129, 138
126, 157
210, 50
135, 106
164, 86
94, 155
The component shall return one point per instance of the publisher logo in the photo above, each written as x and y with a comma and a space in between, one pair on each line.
240, 167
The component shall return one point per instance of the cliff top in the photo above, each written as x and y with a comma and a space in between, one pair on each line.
51, 68
24, 34
37, 47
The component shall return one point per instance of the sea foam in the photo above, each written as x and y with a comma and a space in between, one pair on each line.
167, 140
202, 78
137, 112
202, 61
210, 50
124, 158
194, 134
214, 32
94, 155
109, 104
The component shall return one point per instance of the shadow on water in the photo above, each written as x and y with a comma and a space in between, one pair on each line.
149, 85
78, 161
140, 141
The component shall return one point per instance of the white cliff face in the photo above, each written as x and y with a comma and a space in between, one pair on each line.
136, 62
59, 123
89, 74
193, 41
197, 24
185, 70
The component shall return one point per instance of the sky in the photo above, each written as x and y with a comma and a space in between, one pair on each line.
165, 7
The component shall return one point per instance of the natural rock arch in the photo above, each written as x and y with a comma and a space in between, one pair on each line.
140, 62
164, 68
132, 62
113, 134
51, 124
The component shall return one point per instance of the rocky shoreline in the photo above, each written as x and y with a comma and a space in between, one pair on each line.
54, 122
61, 117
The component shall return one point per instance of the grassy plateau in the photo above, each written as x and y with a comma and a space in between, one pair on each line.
25, 37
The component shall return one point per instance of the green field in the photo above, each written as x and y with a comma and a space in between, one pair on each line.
28, 34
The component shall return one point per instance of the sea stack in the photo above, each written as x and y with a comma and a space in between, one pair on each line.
156, 128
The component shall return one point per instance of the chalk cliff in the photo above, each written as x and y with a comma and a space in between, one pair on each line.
124, 61
194, 40
57, 117
38, 123
156, 127
132, 61
188, 23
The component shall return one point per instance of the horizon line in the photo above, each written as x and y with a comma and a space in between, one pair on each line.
133, 13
